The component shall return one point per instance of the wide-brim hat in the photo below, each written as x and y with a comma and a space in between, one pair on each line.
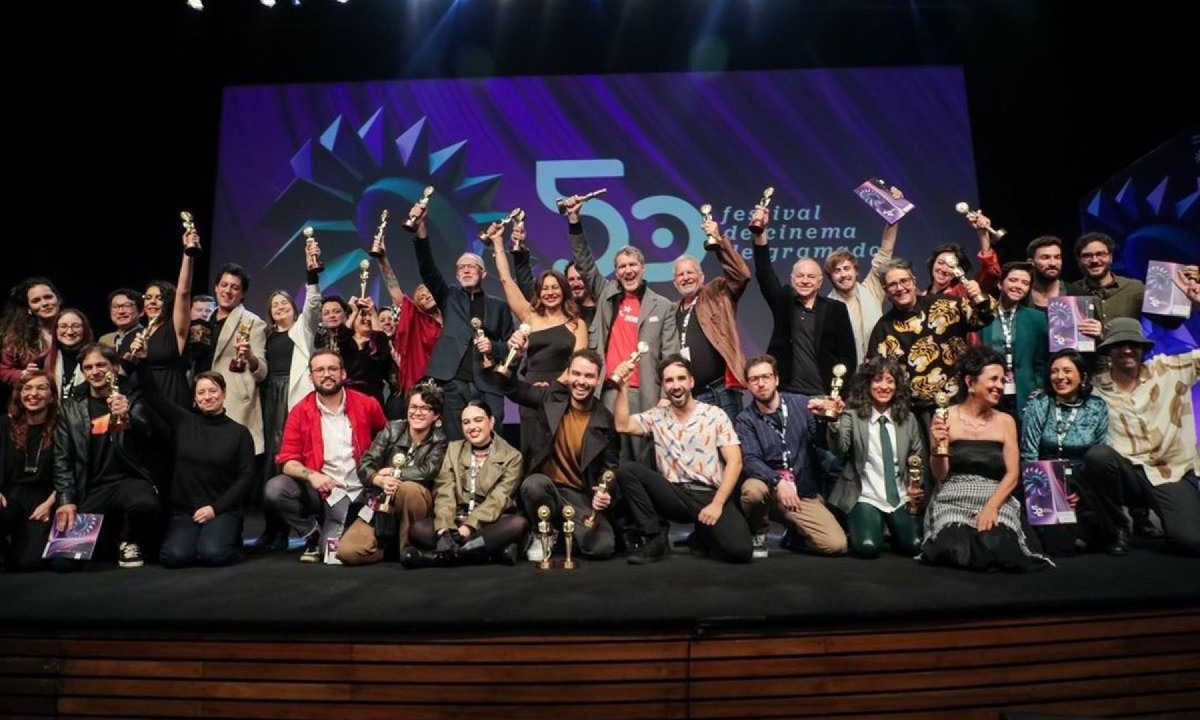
1124, 330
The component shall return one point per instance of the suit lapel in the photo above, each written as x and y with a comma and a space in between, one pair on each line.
227, 330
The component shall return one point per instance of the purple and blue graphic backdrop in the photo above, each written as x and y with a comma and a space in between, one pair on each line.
333, 156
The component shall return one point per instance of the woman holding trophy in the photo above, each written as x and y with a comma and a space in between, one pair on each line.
973, 521
878, 440
475, 518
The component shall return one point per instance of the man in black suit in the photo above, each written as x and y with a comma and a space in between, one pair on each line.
456, 362
812, 333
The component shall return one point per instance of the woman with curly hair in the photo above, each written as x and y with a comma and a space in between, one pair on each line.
881, 441
26, 489
27, 329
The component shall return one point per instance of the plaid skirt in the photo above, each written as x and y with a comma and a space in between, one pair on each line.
951, 537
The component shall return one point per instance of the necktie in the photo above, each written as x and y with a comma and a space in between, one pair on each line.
889, 464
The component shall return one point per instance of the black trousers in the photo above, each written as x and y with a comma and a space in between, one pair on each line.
130, 508
1177, 503
508, 528
22, 540
594, 542
652, 501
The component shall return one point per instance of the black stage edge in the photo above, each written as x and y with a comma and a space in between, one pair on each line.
276, 592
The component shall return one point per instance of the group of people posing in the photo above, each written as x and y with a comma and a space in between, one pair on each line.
370, 433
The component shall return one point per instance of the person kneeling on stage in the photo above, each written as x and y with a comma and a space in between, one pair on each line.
474, 516
700, 461
777, 436
573, 444
324, 437
1068, 422
879, 438
26, 471
214, 467
421, 446
99, 449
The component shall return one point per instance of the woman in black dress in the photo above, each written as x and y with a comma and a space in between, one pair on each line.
26, 461
158, 347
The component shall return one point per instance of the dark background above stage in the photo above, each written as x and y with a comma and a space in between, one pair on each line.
1062, 94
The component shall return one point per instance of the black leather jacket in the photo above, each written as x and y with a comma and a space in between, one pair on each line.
72, 446
424, 460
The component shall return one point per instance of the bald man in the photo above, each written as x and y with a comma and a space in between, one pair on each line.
812, 334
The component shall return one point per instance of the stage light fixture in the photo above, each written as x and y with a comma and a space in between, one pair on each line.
267, 3
196, 4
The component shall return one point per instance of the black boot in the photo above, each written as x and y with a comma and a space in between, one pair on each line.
1142, 525
413, 558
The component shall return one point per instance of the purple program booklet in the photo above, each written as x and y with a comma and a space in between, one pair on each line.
1046, 489
1064, 314
1163, 296
877, 193
77, 542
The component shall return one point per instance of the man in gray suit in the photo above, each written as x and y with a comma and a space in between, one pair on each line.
627, 313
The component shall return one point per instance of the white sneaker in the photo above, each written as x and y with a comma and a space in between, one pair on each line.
129, 555
760, 546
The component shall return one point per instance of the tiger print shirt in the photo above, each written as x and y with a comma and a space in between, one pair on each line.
928, 339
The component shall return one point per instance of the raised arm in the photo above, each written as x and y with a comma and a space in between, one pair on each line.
873, 282
734, 269
427, 267
521, 261
512, 292
768, 281
585, 262
181, 315
395, 292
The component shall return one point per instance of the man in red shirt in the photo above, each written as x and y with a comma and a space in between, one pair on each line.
323, 438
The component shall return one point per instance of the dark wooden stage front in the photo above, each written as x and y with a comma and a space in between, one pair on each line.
788, 637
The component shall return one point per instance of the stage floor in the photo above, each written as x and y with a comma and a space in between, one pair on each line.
275, 592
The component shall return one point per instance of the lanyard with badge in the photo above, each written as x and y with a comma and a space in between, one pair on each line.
782, 431
1006, 327
684, 350
1061, 428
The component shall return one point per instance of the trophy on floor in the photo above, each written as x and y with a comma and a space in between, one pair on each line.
512, 217
758, 217
377, 242
418, 210
312, 251
364, 273
642, 349
914, 482
484, 359
564, 203
116, 423
942, 399
710, 241
964, 209
835, 391
191, 246
238, 362
543, 528
568, 513
606, 478
505, 368
399, 462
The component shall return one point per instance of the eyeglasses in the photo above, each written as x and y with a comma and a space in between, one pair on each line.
70, 326
422, 409
897, 284
1098, 255
124, 306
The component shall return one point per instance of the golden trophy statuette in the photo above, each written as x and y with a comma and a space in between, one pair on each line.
238, 362
710, 241
418, 210
942, 400
505, 368
312, 251
377, 242
191, 245
642, 349
484, 359
564, 203
758, 217
835, 391
606, 479
964, 209
543, 528
364, 273
515, 216
568, 513
116, 422
399, 462
914, 481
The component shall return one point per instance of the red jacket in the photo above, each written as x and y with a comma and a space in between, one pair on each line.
302, 438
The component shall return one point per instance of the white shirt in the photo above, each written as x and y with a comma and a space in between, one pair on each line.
873, 490
339, 452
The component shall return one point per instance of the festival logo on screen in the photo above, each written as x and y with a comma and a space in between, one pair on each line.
345, 178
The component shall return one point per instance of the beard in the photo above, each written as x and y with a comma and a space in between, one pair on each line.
1044, 279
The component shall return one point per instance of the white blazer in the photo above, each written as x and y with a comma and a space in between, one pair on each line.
303, 334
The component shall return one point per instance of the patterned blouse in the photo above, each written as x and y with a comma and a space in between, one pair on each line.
1082, 425
928, 340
